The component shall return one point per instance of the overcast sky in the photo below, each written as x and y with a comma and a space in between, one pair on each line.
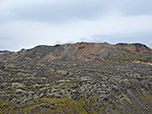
27, 23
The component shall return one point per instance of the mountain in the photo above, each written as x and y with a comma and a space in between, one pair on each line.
136, 47
82, 51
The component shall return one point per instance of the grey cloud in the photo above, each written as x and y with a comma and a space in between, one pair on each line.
59, 12
135, 7
68, 10
31, 22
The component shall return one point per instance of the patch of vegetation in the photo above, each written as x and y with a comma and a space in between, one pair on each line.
2, 101
131, 58
146, 96
60, 105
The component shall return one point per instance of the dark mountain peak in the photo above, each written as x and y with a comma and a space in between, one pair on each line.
22, 51
82, 43
139, 45
136, 47
41, 46
129, 44
5, 51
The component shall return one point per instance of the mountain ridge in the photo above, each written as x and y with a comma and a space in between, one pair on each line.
82, 51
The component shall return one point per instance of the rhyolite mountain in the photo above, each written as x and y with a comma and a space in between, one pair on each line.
82, 51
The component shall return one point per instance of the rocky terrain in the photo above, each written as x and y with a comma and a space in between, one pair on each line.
81, 78
64, 87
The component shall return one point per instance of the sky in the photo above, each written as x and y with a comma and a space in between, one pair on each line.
28, 23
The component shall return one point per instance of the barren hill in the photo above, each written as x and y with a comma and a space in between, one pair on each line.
83, 51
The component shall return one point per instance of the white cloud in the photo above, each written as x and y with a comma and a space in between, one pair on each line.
150, 44
31, 22
55, 11
34, 33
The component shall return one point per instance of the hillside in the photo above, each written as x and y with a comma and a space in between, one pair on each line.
83, 51
81, 78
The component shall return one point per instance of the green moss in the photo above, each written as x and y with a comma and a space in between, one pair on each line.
146, 96
63, 103
8, 108
2, 101
130, 57
150, 76
100, 110
127, 98
75, 105
88, 104
29, 106
64, 84
16, 76
116, 112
